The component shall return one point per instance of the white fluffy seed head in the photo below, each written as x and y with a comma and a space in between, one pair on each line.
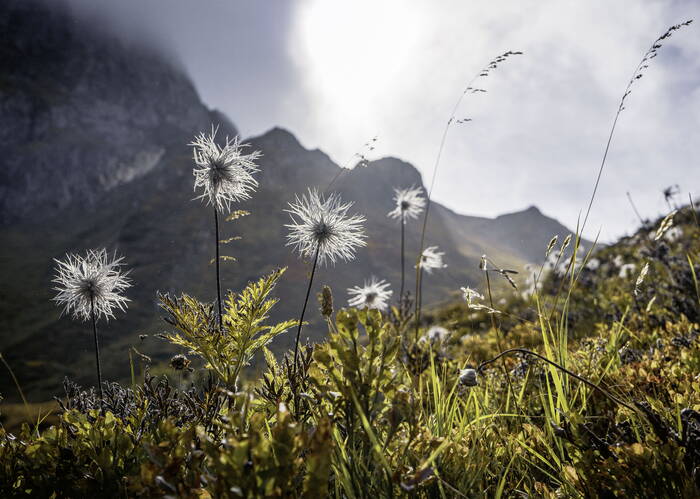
323, 224
409, 203
223, 172
91, 281
431, 259
374, 294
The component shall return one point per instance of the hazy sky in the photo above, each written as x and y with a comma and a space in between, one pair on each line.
337, 73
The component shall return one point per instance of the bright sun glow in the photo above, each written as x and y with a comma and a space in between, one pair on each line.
353, 53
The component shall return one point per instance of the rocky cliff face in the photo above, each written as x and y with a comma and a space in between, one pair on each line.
80, 113
93, 153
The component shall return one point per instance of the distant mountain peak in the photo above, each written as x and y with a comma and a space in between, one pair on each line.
393, 170
280, 137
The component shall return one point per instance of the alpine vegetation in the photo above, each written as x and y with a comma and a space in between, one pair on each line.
90, 287
585, 385
321, 229
374, 294
409, 203
225, 175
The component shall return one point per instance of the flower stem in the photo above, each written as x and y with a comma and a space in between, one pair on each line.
218, 278
303, 310
419, 298
97, 348
403, 263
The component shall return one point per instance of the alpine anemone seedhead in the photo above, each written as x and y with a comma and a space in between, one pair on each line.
409, 203
431, 259
94, 280
324, 224
223, 172
374, 294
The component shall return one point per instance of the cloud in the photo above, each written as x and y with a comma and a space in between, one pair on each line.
538, 135
337, 73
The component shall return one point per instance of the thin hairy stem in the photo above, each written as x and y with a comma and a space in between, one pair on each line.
419, 291
403, 261
97, 348
218, 277
561, 368
303, 310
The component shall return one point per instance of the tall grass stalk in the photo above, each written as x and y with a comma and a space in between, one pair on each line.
469, 89
636, 75
693, 210
17, 385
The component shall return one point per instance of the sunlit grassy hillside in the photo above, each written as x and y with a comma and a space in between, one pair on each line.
600, 397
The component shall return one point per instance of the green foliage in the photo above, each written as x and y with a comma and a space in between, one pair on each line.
369, 412
244, 331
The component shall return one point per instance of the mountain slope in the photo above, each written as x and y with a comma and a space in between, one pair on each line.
94, 154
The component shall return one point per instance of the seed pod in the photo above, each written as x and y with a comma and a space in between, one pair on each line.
467, 377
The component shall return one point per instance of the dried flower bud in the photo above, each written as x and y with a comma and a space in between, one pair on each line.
179, 362
325, 299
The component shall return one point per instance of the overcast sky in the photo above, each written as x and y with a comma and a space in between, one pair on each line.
337, 73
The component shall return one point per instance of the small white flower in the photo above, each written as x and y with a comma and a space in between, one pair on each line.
627, 270
468, 377
593, 264
431, 259
618, 261
323, 225
409, 203
374, 294
225, 173
437, 334
93, 282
